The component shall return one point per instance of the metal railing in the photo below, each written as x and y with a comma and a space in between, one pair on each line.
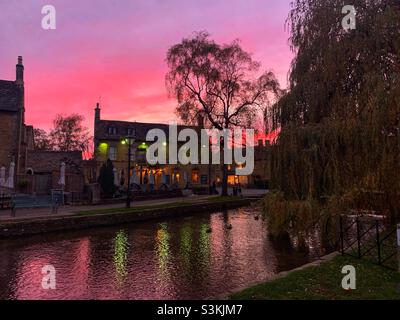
368, 236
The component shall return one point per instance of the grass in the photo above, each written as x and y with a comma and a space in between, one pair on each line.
373, 282
137, 209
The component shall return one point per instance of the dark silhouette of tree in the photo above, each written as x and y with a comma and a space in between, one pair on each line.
69, 134
219, 82
106, 179
42, 140
340, 119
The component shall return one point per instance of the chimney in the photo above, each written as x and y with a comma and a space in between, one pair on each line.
97, 112
20, 71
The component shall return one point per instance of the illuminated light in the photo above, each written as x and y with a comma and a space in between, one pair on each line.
164, 144
123, 142
103, 147
143, 146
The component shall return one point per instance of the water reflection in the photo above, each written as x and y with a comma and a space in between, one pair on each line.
121, 250
174, 259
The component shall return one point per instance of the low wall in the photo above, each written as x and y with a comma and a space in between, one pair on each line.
65, 223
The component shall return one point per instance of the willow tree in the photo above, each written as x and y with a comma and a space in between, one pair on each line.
340, 119
221, 83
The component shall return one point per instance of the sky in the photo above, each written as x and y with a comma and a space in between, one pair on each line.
114, 51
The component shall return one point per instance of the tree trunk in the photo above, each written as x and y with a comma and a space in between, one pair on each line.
224, 169
224, 180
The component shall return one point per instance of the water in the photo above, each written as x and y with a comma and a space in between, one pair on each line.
170, 259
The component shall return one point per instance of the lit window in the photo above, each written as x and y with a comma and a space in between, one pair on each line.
195, 176
112, 153
133, 154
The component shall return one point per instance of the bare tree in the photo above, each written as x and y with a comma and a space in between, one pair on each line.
69, 134
42, 140
221, 82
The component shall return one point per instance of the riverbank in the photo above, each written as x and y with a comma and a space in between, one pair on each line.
84, 219
323, 282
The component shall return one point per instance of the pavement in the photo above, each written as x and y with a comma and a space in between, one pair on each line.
68, 210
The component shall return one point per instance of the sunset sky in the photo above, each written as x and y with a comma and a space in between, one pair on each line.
116, 50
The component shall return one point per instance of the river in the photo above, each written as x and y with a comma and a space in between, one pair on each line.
181, 258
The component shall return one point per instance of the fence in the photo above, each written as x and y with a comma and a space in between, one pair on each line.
368, 236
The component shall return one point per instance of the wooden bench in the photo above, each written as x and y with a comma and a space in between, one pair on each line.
28, 202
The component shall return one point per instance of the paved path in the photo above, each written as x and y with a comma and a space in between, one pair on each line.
23, 214
71, 210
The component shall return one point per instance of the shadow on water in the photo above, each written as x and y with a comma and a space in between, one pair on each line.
179, 258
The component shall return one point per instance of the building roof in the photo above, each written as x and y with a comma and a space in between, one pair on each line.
10, 96
140, 129
49, 161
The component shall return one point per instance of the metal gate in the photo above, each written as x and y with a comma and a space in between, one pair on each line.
368, 236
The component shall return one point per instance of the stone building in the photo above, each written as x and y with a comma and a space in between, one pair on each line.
16, 137
108, 144
35, 170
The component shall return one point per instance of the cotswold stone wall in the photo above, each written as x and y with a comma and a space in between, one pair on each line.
9, 136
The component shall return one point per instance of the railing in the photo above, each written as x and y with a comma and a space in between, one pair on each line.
368, 236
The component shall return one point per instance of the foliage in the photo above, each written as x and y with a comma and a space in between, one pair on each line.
340, 119
42, 140
69, 134
106, 179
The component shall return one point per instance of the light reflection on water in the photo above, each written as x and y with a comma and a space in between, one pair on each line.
172, 259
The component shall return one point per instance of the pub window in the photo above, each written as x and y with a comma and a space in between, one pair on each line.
112, 153
133, 154
195, 176
130, 132
112, 131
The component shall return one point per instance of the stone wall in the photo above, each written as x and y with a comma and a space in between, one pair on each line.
8, 137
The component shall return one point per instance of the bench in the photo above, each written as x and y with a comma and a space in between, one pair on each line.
28, 202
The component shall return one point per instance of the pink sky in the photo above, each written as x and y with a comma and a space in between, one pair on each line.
116, 50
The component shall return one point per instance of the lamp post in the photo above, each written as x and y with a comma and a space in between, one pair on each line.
129, 141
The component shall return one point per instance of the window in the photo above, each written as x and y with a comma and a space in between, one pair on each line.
112, 131
112, 153
133, 154
195, 176
130, 132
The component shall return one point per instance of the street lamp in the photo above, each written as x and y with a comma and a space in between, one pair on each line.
129, 142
